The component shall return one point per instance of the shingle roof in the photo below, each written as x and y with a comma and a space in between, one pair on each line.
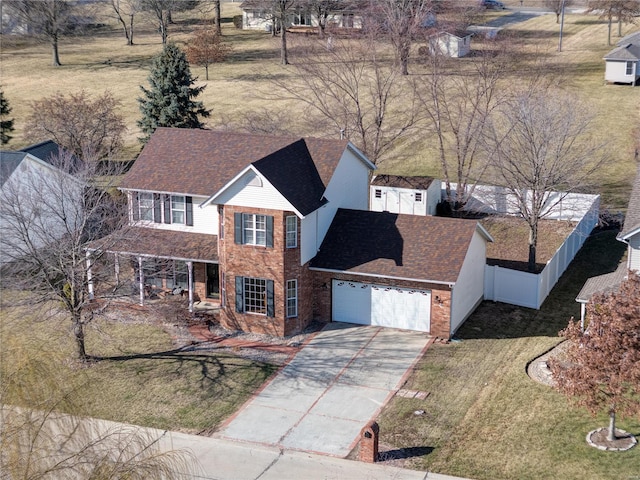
294, 162
624, 52
401, 246
606, 283
9, 161
414, 183
154, 242
201, 162
631, 38
49, 151
632, 219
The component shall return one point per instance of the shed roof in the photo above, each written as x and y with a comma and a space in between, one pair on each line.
624, 52
607, 283
631, 38
386, 244
201, 162
414, 183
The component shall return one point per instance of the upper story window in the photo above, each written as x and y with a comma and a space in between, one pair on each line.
629, 68
253, 229
292, 231
157, 208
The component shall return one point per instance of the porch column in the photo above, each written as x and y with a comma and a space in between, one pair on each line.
89, 276
583, 308
190, 285
116, 267
141, 274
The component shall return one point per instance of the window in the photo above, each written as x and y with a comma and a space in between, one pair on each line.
177, 209
254, 295
292, 231
145, 206
629, 68
292, 298
418, 196
178, 276
347, 20
378, 193
253, 229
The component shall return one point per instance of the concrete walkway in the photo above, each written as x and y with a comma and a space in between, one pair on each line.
329, 391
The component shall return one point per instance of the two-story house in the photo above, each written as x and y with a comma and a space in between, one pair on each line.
271, 228
630, 234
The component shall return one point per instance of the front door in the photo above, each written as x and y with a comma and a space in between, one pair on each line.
213, 280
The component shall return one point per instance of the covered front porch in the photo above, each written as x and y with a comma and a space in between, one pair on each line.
166, 262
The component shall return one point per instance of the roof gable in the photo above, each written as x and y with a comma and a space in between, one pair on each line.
49, 151
292, 172
402, 246
202, 162
624, 52
9, 161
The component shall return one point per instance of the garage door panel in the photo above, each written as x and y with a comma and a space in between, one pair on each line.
384, 306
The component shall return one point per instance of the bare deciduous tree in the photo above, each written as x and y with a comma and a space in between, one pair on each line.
602, 366
356, 92
623, 10
459, 107
125, 11
206, 47
556, 6
543, 151
161, 12
400, 21
78, 122
50, 19
45, 235
322, 10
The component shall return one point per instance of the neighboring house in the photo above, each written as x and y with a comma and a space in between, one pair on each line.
410, 195
271, 228
256, 15
24, 178
451, 44
630, 234
622, 64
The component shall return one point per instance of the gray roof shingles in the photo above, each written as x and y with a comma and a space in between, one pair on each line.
402, 246
201, 162
9, 161
632, 219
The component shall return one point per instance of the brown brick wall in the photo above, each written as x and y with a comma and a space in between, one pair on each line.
440, 309
278, 264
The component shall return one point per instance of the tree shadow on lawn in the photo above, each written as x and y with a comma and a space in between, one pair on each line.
600, 254
212, 367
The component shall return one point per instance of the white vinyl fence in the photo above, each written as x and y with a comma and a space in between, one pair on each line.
528, 289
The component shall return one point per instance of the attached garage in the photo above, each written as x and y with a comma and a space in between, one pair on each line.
379, 305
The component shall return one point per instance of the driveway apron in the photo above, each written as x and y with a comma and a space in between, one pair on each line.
329, 391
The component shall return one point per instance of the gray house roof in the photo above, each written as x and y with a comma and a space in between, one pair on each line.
626, 52
9, 161
631, 38
607, 283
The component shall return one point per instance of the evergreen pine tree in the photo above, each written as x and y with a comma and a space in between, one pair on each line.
169, 102
6, 124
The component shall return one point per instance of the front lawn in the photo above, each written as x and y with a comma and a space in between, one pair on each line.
144, 380
484, 417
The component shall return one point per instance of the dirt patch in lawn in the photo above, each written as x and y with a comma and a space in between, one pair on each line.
510, 248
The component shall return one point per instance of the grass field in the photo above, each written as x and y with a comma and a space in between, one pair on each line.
484, 417
144, 380
241, 84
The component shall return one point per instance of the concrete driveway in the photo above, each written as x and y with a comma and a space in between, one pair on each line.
337, 383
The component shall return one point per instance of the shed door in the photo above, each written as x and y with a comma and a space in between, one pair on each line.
369, 304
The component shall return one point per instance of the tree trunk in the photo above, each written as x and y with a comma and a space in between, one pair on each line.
609, 32
54, 48
557, 17
284, 57
206, 72
78, 333
533, 242
611, 432
130, 30
217, 21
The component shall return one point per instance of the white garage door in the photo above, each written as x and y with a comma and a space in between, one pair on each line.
369, 304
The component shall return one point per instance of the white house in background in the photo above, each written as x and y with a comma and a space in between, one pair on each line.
451, 44
256, 15
630, 234
399, 194
622, 64
24, 180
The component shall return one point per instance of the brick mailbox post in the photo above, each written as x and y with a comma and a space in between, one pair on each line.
369, 443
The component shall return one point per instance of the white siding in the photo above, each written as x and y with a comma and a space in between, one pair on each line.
253, 191
348, 188
402, 200
469, 289
434, 196
205, 220
616, 71
308, 235
634, 253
